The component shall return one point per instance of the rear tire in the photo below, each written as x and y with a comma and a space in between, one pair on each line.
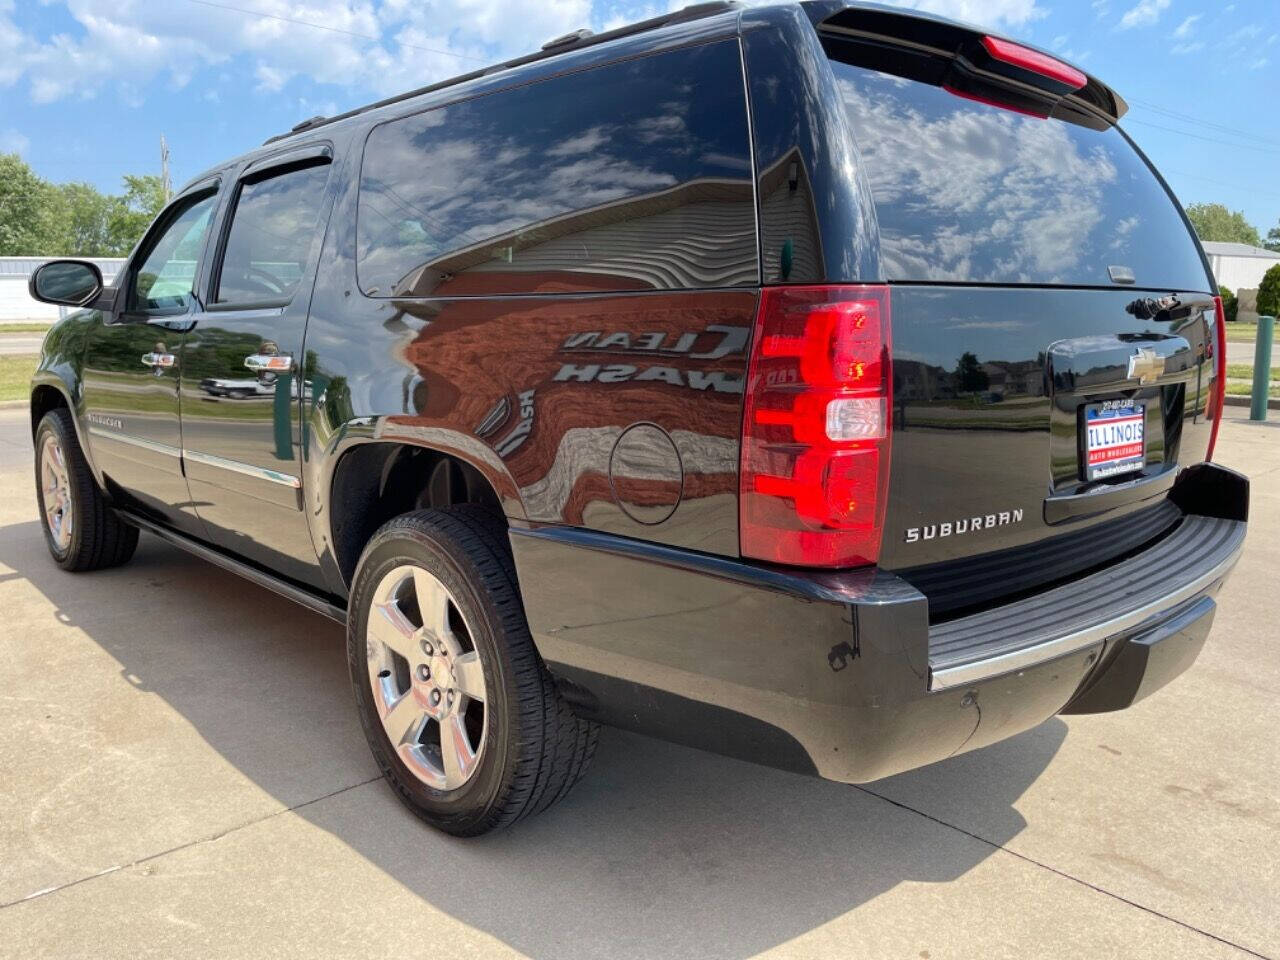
465, 677
80, 528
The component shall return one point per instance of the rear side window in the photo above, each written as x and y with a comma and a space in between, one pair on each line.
272, 227
631, 176
965, 191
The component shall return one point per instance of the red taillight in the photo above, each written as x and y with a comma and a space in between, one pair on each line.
816, 427
1218, 398
1035, 62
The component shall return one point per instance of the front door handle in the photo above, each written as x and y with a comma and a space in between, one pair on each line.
158, 359
269, 362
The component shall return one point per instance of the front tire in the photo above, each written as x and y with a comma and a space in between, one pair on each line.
80, 529
459, 710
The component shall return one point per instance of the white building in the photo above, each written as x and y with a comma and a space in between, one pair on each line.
16, 304
1238, 266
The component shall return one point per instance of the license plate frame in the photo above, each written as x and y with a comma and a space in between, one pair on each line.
1113, 438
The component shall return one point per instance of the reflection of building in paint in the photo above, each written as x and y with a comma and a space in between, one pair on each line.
698, 234
788, 221
918, 382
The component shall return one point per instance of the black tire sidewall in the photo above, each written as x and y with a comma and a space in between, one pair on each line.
425, 546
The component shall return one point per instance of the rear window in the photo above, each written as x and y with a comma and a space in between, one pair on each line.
975, 193
631, 176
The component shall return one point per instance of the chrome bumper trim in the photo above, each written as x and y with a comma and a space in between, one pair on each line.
947, 677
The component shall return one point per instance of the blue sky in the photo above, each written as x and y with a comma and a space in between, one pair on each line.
88, 86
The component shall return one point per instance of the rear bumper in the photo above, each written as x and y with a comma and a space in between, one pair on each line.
1114, 603
840, 674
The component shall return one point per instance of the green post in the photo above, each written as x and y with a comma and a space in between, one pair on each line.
1262, 368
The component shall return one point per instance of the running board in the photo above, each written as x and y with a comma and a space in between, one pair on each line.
219, 559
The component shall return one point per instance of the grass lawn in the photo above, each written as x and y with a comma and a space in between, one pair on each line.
1244, 371
1246, 390
15, 376
1239, 332
24, 327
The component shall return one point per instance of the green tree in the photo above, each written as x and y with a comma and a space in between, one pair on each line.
85, 221
133, 212
38, 218
28, 210
970, 376
1230, 305
1213, 221
1269, 293
1272, 242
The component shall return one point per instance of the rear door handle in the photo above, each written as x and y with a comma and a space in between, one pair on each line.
269, 362
158, 359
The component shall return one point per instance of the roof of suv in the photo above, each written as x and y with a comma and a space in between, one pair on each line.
822, 13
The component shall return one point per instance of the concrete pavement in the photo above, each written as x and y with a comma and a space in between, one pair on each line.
184, 775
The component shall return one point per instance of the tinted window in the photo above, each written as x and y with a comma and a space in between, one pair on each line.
634, 175
163, 282
971, 192
272, 228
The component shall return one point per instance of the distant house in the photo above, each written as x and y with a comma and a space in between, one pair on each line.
1238, 266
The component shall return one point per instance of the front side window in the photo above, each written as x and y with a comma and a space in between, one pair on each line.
272, 227
629, 176
164, 281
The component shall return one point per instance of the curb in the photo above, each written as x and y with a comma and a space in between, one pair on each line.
1272, 403
14, 404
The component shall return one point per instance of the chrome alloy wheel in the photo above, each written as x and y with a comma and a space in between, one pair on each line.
56, 490
427, 678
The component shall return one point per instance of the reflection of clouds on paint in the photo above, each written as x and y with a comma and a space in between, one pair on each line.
979, 193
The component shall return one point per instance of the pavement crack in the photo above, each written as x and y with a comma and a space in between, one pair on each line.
47, 891
1066, 876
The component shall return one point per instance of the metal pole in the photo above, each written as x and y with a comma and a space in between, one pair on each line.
165, 185
1262, 368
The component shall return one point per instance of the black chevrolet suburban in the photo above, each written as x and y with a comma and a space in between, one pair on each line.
825, 385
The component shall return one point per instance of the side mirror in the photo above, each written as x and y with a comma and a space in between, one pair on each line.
67, 283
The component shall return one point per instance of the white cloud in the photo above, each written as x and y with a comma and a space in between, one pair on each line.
270, 79
11, 141
990, 13
1183, 29
1259, 64
122, 45
1144, 14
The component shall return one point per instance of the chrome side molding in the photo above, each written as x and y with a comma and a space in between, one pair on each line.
127, 438
246, 469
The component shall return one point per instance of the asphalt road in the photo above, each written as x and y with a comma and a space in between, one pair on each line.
18, 343
184, 776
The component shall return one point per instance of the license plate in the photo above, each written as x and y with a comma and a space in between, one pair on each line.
1114, 438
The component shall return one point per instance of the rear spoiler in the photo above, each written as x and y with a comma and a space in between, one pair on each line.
1030, 80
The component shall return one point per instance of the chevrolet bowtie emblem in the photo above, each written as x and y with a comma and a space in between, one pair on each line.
1145, 365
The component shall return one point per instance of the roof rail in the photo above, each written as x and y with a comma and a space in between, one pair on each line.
570, 41
569, 38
